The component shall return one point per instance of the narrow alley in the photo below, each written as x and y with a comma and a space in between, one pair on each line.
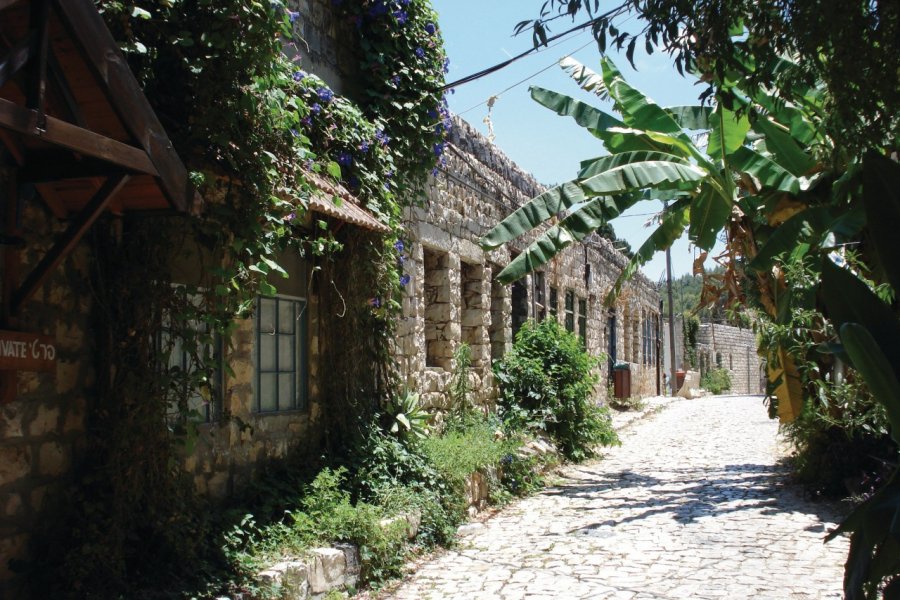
693, 504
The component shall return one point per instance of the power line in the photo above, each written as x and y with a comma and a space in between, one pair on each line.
493, 69
532, 76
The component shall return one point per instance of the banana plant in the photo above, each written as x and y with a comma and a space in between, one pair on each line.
652, 156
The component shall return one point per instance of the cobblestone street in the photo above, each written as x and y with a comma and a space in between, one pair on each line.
693, 505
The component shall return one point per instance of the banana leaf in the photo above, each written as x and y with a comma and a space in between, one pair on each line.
593, 119
671, 228
533, 213
583, 221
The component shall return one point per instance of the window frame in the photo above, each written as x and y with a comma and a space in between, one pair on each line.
569, 309
299, 356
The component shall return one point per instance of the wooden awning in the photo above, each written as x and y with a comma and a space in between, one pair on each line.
336, 201
77, 125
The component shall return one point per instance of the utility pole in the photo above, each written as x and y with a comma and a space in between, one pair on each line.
672, 378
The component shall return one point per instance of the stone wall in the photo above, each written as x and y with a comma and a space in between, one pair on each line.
42, 428
453, 295
734, 349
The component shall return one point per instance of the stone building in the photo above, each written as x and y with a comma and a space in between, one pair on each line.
454, 298
734, 349
276, 391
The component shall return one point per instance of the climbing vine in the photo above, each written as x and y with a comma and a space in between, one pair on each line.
251, 126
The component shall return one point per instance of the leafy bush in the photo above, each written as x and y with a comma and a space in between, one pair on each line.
842, 441
546, 383
464, 449
716, 381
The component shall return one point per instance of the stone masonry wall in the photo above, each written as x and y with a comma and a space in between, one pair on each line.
453, 296
734, 349
42, 430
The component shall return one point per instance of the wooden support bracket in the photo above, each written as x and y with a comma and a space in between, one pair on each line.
69, 240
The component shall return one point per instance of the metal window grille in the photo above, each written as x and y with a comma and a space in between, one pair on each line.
570, 310
582, 319
281, 361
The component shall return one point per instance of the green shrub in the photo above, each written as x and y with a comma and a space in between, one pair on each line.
466, 448
546, 383
716, 381
841, 441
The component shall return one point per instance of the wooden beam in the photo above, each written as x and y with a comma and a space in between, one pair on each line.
36, 80
59, 165
58, 75
69, 240
4, 4
126, 97
17, 56
83, 141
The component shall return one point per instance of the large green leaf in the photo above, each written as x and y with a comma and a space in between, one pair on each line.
593, 119
586, 79
637, 110
849, 300
670, 229
626, 139
656, 174
583, 221
595, 166
727, 133
691, 117
804, 226
881, 197
533, 213
784, 148
769, 173
710, 211
878, 373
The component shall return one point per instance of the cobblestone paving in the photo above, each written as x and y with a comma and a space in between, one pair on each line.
692, 505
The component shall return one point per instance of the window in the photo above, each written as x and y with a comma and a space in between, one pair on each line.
281, 376
570, 310
537, 281
439, 344
582, 319
554, 302
193, 366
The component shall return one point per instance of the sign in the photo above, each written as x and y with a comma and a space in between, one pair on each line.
21, 351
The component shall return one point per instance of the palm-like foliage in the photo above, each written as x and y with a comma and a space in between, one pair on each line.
653, 156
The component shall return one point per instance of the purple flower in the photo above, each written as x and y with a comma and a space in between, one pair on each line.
398, 246
354, 182
434, 172
298, 75
307, 120
293, 16
438, 149
401, 16
404, 280
344, 159
291, 216
430, 28
294, 132
446, 65
325, 95
378, 8
432, 114
316, 108
395, 80
376, 302
364, 147
381, 137
420, 52
400, 260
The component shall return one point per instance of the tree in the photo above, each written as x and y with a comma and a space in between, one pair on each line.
851, 47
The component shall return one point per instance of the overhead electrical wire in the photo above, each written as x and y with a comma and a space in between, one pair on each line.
493, 69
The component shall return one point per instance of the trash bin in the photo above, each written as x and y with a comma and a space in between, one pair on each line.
622, 380
679, 381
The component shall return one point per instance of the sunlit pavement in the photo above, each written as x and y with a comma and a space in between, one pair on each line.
694, 504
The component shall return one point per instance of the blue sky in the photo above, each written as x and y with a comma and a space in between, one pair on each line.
479, 34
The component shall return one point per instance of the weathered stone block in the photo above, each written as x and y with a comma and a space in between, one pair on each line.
15, 463
45, 421
289, 579
11, 421
54, 459
327, 570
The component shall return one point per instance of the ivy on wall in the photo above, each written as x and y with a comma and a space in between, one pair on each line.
249, 124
